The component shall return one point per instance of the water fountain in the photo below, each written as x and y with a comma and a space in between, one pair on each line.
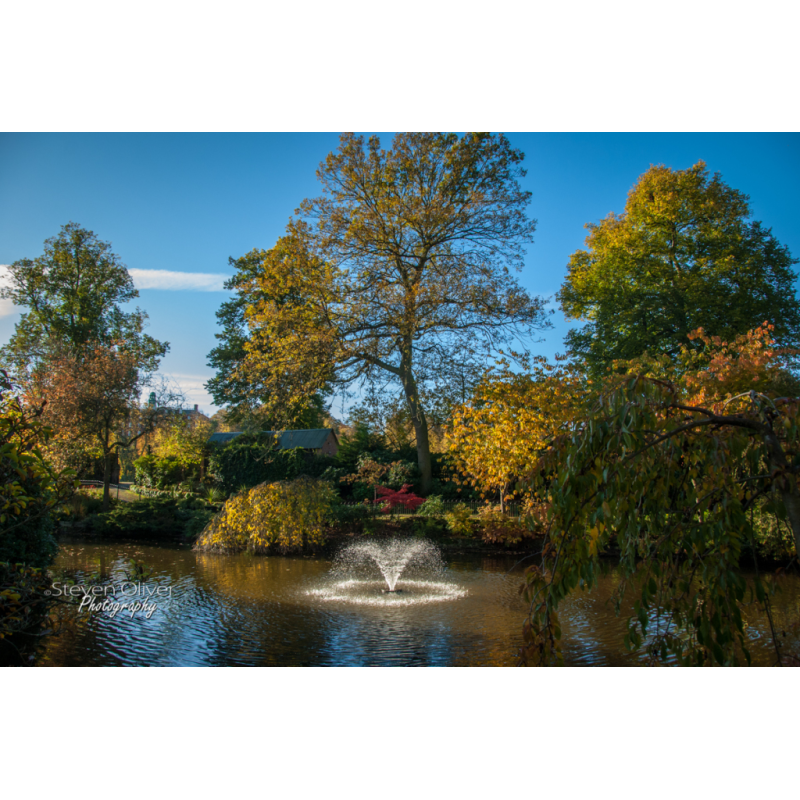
391, 572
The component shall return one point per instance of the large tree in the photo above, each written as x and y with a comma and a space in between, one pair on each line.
399, 273
246, 402
73, 293
91, 400
684, 254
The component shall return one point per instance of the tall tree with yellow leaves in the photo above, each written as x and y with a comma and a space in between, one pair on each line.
401, 269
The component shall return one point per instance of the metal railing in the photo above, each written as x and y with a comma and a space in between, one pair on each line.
511, 509
99, 484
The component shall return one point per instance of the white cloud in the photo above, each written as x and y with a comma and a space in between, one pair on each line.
144, 279
178, 281
191, 386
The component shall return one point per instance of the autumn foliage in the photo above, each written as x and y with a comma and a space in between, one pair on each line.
30, 487
288, 515
667, 462
92, 403
510, 420
403, 498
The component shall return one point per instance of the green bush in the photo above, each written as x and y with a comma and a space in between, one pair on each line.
361, 492
252, 459
155, 472
348, 516
401, 473
362, 442
30, 543
433, 507
459, 520
156, 518
333, 475
429, 519
773, 538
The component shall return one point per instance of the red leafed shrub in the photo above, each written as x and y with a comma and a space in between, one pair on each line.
391, 498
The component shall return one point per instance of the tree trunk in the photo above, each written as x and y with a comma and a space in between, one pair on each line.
420, 425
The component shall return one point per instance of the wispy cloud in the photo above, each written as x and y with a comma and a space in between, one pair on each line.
7, 307
192, 389
178, 281
144, 279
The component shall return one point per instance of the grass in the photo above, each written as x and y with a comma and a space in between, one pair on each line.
95, 492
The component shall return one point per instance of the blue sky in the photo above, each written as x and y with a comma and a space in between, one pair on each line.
176, 206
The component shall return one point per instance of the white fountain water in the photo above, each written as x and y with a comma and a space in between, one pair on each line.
412, 570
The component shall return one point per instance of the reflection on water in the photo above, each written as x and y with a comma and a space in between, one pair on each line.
273, 611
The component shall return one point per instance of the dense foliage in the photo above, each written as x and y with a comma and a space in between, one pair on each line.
671, 465
251, 459
161, 472
682, 255
403, 499
92, 401
184, 439
29, 487
30, 490
288, 515
244, 401
24, 605
156, 518
509, 421
73, 293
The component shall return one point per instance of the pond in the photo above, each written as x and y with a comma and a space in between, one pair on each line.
212, 610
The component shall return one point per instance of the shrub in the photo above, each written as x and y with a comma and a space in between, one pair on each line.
82, 504
362, 492
286, 514
360, 443
772, 537
500, 528
333, 475
155, 472
403, 499
25, 600
144, 491
32, 543
156, 517
348, 516
459, 520
401, 473
433, 507
215, 496
253, 459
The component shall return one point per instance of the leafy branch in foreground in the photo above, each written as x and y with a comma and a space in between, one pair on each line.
668, 466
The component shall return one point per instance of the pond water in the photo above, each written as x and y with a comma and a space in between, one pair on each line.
211, 610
